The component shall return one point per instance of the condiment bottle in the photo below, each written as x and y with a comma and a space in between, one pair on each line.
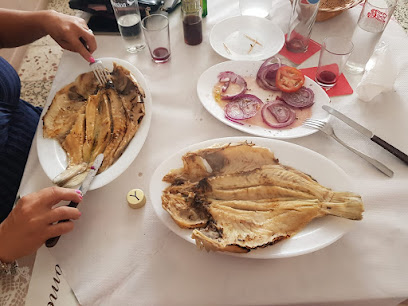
192, 22
301, 23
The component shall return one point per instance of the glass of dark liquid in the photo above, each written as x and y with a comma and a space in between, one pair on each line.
156, 31
192, 22
333, 57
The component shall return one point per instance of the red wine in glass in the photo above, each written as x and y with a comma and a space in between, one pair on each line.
326, 78
160, 55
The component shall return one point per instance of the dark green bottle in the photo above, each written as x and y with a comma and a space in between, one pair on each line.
204, 7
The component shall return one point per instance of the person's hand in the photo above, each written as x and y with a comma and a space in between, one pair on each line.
68, 30
32, 221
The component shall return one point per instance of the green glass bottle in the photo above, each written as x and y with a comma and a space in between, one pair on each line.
204, 7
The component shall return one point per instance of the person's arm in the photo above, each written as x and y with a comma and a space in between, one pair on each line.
32, 222
20, 27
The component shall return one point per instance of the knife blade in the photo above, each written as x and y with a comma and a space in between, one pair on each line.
84, 188
366, 132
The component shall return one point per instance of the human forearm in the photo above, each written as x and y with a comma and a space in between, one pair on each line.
18, 28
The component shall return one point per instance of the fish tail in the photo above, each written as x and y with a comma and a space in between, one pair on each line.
344, 204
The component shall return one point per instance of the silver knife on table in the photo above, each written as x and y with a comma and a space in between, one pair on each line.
366, 132
84, 188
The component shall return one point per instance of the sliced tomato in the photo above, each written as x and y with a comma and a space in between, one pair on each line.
289, 79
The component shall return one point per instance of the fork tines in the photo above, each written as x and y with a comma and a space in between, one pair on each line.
101, 74
314, 123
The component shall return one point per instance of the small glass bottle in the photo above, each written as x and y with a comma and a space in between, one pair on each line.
204, 7
192, 22
301, 23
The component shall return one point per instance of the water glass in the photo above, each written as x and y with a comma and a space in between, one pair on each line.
128, 17
157, 34
373, 19
333, 57
301, 22
258, 8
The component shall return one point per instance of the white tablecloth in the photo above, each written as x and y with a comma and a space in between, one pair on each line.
120, 256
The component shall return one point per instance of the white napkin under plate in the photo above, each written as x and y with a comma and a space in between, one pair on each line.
380, 74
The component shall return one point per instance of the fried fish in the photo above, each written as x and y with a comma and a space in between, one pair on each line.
87, 120
245, 199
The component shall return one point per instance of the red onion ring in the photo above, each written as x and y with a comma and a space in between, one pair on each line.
280, 111
266, 75
228, 77
243, 107
302, 98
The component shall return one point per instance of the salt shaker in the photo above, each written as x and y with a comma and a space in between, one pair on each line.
301, 23
192, 22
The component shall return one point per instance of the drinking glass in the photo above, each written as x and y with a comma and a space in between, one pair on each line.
157, 34
301, 22
128, 17
259, 8
333, 56
373, 19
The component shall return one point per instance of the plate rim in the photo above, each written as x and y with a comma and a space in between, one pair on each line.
206, 105
128, 156
344, 224
225, 55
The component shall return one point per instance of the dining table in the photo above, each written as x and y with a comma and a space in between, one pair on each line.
117, 255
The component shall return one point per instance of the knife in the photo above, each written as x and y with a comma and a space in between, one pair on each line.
84, 188
401, 155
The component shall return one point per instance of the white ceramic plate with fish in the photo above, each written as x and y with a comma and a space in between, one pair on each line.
53, 158
248, 70
243, 38
318, 234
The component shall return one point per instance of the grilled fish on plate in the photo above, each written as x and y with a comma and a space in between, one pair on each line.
87, 119
237, 197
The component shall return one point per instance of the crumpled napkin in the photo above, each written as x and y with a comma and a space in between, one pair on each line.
380, 74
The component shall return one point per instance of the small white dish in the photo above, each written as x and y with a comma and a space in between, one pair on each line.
316, 235
246, 38
246, 69
53, 158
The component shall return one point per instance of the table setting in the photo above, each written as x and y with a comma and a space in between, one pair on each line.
118, 255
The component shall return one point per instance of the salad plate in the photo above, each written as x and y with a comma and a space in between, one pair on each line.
246, 38
248, 70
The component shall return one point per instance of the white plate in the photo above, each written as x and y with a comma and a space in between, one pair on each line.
319, 233
53, 158
246, 69
228, 38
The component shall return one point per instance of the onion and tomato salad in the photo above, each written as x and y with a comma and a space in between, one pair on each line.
271, 76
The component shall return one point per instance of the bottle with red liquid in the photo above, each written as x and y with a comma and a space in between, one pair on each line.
192, 22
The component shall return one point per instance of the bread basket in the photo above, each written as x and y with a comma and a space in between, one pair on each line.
331, 8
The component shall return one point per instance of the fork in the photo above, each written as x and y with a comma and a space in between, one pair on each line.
100, 72
328, 130
98, 69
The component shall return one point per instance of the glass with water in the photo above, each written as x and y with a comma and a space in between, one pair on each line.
373, 19
129, 22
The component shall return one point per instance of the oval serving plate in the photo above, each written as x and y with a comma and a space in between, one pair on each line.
53, 158
317, 234
249, 69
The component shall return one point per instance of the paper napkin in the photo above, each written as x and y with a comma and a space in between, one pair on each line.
299, 58
380, 74
341, 88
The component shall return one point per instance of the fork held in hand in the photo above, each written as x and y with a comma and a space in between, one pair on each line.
328, 130
101, 74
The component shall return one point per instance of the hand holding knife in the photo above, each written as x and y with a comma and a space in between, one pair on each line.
84, 188
401, 155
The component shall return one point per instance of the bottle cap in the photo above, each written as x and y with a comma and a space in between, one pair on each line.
136, 198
